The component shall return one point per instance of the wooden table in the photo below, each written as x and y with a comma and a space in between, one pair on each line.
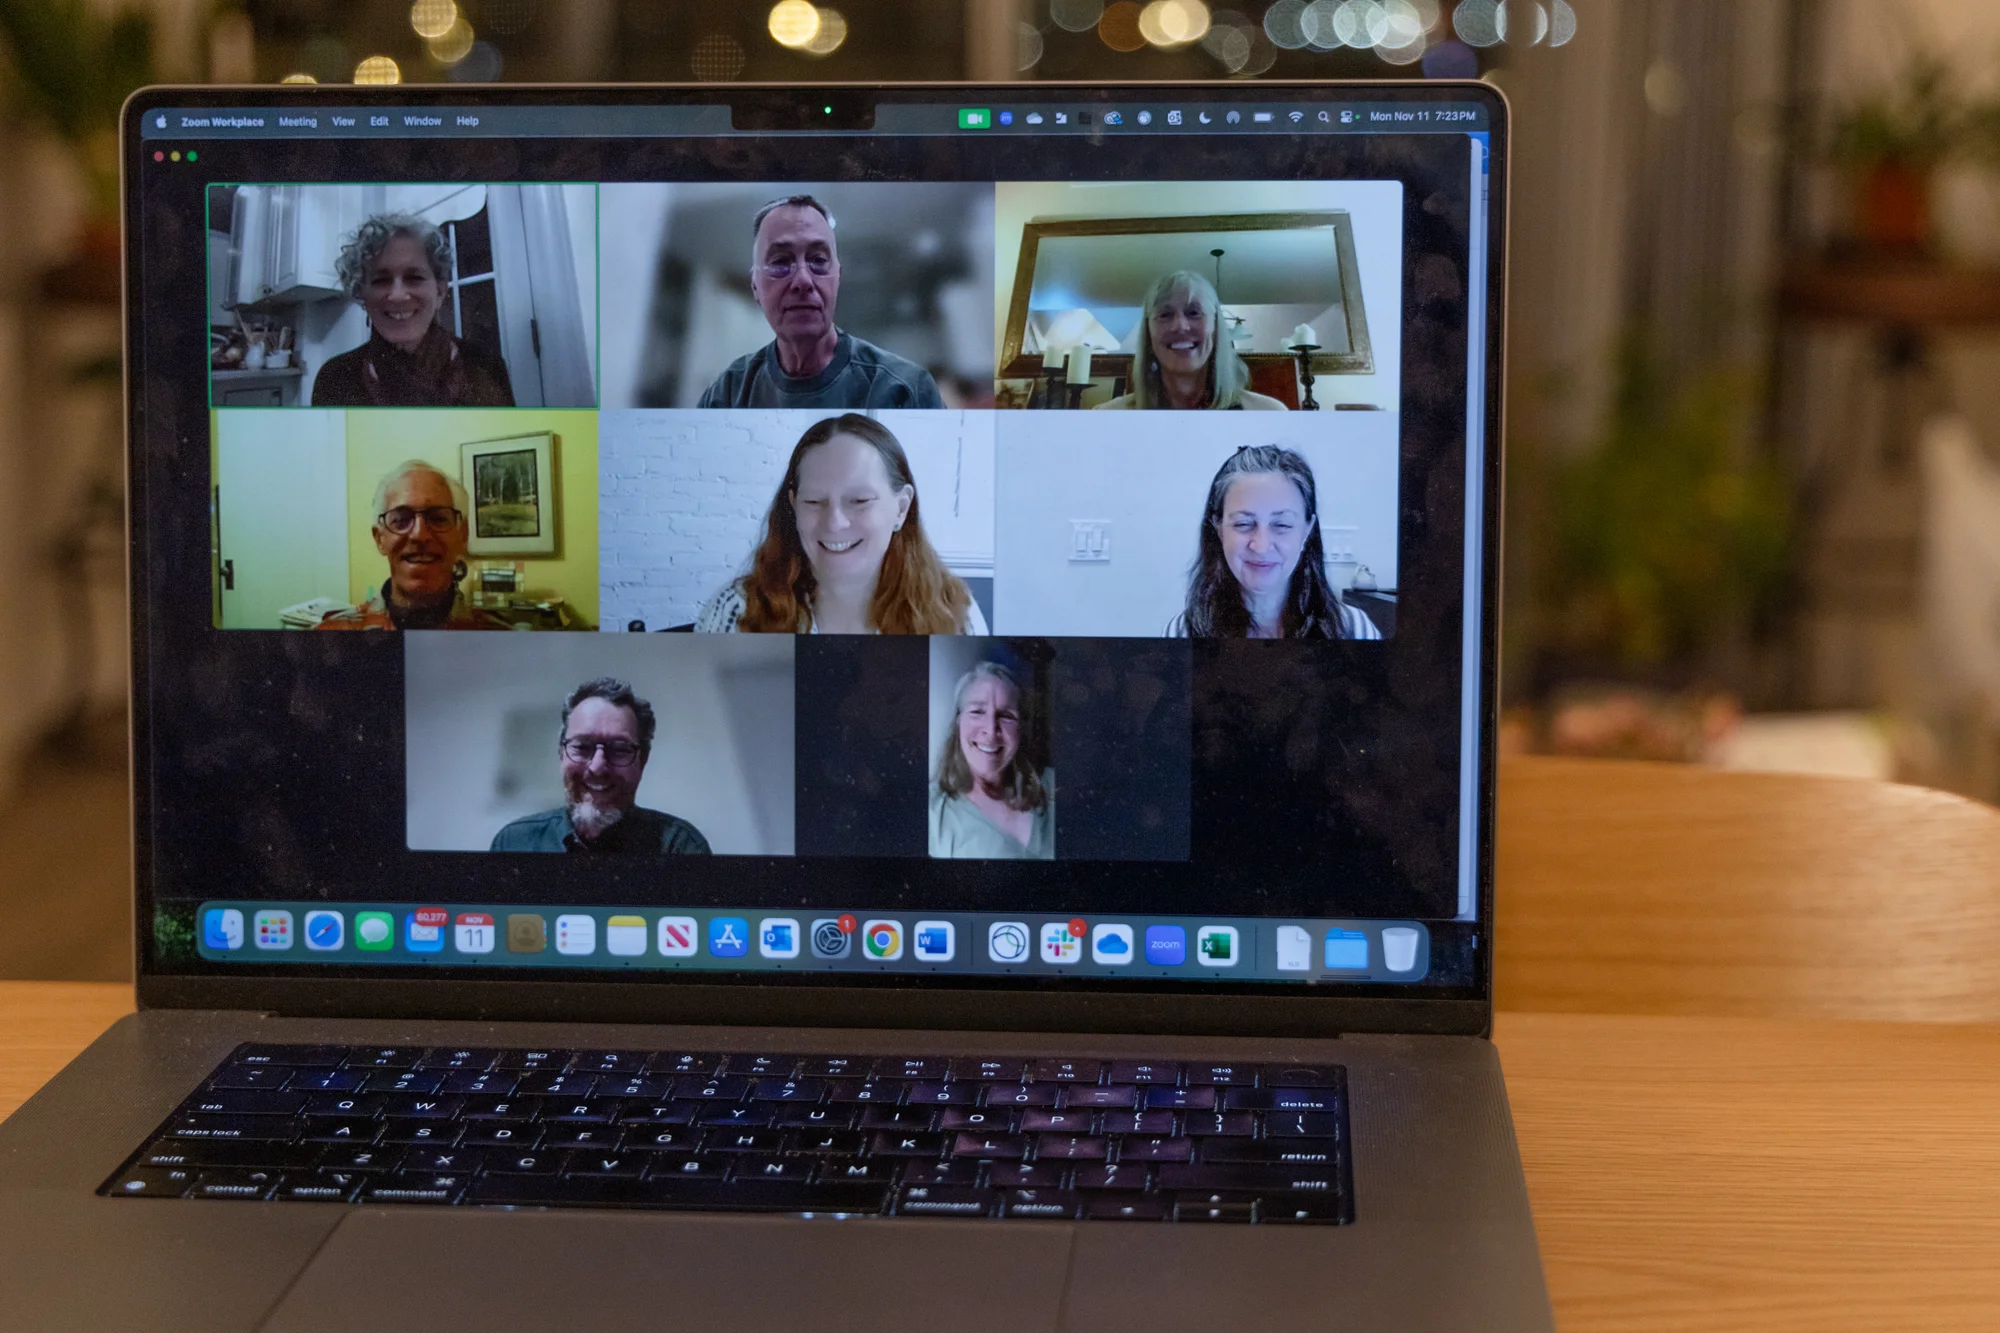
1687, 1173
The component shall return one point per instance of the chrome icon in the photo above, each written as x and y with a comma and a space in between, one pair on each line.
882, 940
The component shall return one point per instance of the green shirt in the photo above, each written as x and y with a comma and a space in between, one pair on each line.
960, 830
641, 832
860, 376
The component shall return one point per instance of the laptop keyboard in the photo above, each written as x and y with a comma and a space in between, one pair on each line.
916, 1136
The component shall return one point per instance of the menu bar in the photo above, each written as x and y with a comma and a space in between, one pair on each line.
787, 940
1027, 117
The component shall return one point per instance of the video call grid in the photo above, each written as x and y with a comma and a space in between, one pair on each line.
989, 617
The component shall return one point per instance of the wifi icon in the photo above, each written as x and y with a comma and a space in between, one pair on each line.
1298, 116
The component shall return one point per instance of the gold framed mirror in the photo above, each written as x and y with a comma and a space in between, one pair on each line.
1080, 281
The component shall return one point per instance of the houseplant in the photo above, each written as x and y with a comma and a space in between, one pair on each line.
69, 65
1891, 144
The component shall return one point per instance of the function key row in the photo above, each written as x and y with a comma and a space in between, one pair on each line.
345, 1069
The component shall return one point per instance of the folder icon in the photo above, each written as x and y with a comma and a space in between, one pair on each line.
1346, 950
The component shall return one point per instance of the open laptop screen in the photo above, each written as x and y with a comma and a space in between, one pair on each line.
1030, 539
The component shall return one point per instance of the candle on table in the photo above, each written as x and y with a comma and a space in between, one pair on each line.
1052, 356
1303, 335
1079, 365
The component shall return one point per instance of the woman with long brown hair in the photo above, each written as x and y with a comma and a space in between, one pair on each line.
1260, 570
843, 549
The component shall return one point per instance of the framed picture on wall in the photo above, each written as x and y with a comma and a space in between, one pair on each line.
511, 482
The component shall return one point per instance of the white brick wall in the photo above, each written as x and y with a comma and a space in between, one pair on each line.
682, 495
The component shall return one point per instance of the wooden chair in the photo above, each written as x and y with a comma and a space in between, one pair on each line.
1674, 889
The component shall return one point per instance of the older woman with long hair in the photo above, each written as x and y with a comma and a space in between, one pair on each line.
1261, 570
397, 268
843, 549
1182, 360
991, 797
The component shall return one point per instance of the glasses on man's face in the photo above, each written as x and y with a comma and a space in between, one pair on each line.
402, 520
618, 754
777, 270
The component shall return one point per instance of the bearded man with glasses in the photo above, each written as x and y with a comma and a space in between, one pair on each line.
607, 736
420, 529
795, 276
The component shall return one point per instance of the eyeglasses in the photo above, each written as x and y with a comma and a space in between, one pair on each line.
402, 520
778, 270
618, 754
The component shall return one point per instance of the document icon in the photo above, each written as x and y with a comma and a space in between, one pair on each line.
1346, 950
1295, 949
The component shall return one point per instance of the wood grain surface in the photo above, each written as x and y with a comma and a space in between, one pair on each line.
43, 1024
1782, 1175
1672, 889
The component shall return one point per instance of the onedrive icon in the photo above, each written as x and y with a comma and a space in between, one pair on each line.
1111, 943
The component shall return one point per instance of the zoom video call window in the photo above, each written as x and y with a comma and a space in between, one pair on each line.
1075, 525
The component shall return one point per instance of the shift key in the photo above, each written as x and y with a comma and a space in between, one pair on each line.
1248, 1176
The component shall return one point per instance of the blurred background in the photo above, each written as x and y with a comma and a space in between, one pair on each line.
1754, 414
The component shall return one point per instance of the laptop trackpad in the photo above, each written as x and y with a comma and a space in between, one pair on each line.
484, 1271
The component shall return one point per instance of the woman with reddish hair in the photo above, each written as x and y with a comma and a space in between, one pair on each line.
843, 549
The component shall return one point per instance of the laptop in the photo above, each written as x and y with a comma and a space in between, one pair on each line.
796, 707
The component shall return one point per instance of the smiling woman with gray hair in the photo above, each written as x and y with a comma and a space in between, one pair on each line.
991, 797
1182, 360
398, 268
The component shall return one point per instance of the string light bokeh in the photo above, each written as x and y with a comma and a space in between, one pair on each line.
423, 41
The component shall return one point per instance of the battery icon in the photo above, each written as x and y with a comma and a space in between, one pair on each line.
975, 118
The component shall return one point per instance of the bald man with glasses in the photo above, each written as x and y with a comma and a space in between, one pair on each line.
606, 738
420, 529
810, 362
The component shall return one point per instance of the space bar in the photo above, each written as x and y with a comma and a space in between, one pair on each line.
750, 1196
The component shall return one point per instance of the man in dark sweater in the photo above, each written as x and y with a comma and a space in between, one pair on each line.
607, 736
795, 276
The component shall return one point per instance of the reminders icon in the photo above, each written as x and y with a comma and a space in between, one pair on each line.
576, 934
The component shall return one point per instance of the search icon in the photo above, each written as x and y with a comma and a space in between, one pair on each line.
1324, 119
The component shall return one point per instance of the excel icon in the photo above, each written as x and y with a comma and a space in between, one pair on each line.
975, 118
